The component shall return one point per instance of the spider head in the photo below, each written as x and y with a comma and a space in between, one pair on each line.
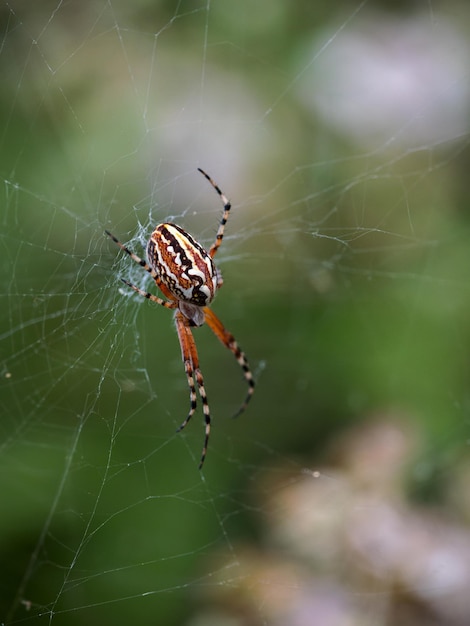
194, 313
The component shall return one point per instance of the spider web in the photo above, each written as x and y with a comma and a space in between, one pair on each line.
341, 137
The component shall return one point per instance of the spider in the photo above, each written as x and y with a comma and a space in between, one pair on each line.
186, 275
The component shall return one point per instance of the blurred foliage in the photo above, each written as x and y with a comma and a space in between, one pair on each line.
342, 544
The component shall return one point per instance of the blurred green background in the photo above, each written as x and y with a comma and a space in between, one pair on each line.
340, 133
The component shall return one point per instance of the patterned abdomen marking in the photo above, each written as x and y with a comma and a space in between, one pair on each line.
183, 265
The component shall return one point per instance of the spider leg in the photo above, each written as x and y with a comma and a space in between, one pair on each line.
223, 221
229, 342
153, 274
191, 366
168, 304
134, 257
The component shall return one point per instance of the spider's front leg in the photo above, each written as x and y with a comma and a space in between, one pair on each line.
191, 366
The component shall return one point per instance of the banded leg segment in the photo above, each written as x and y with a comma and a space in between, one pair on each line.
223, 221
133, 256
229, 342
168, 304
153, 274
191, 366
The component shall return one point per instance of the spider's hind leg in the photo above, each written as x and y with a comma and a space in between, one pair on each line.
192, 394
229, 342
191, 366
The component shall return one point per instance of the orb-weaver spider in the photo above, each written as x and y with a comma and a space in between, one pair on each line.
186, 274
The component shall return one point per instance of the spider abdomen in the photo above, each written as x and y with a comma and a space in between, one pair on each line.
182, 264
